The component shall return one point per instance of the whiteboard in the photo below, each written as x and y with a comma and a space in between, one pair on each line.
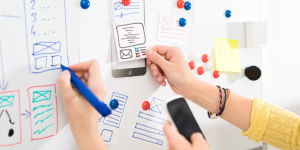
36, 38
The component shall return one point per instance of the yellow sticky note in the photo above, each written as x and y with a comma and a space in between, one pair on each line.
227, 55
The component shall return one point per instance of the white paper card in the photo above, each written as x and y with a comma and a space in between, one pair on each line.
133, 11
147, 127
170, 31
130, 39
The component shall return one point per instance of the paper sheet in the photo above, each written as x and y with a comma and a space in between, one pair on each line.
129, 30
35, 39
227, 55
147, 128
170, 31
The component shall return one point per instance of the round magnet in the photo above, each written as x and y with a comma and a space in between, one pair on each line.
85, 4
187, 5
180, 4
114, 104
208, 65
253, 73
182, 22
194, 57
146, 105
192, 65
205, 58
216, 74
126, 2
228, 13
200, 70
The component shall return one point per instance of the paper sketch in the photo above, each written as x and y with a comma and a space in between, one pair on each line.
170, 31
133, 11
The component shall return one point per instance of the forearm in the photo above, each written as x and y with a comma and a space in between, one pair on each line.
89, 140
237, 112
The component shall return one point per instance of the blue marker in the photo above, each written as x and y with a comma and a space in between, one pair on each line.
101, 107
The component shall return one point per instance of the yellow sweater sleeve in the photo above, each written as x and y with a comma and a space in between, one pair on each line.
273, 125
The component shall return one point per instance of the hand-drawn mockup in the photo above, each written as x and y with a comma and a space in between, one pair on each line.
46, 32
110, 126
133, 11
170, 31
130, 41
148, 125
43, 109
10, 118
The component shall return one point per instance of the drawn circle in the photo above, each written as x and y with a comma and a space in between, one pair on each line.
230, 53
11, 133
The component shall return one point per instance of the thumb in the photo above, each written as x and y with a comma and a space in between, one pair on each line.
157, 59
198, 140
170, 132
65, 85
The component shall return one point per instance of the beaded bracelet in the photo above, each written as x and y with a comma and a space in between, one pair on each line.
215, 116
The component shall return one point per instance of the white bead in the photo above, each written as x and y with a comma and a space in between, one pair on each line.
194, 57
208, 65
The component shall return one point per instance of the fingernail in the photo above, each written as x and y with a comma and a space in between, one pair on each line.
149, 52
158, 79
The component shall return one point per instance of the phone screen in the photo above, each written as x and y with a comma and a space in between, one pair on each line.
183, 118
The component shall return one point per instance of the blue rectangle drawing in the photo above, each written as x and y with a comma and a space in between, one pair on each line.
118, 5
149, 129
115, 118
134, 10
147, 138
151, 118
157, 105
106, 135
6, 100
46, 35
43, 48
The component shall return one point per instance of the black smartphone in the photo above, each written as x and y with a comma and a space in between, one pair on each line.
183, 117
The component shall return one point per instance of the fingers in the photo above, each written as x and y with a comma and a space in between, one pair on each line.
157, 74
198, 141
65, 86
161, 50
154, 57
170, 132
92, 67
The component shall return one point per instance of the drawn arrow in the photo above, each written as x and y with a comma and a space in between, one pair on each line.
28, 114
4, 84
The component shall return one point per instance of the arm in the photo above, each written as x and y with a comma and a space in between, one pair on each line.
170, 62
83, 118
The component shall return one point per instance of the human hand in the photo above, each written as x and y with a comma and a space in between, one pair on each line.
169, 62
82, 116
178, 142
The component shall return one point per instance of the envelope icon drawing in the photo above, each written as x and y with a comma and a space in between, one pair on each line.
156, 105
41, 96
6, 101
167, 23
42, 48
118, 5
125, 54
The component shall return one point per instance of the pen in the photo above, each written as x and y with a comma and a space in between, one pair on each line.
101, 107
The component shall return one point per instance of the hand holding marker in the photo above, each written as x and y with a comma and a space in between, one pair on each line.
101, 107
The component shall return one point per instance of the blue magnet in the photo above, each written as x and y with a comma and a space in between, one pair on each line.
114, 104
187, 5
228, 13
85, 4
182, 22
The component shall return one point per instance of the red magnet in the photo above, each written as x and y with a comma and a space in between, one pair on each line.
126, 2
180, 4
200, 70
192, 65
146, 105
205, 58
216, 74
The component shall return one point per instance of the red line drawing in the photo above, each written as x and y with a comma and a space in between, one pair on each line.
180, 30
56, 107
172, 38
167, 23
19, 118
173, 33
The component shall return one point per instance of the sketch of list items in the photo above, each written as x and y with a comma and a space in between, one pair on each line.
147, 138
156, 105
143, 50
106, 135
56, 60
149, 129
43, 109
126, 54
132, 11
131, 35
43, 48
151, 118
10, 118
114, 119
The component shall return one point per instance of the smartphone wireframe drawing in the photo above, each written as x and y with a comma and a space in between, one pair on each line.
119, 13
181, 117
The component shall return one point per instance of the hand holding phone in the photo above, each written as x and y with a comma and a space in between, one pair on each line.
182, 117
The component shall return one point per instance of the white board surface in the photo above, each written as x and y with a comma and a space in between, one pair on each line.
36, 38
